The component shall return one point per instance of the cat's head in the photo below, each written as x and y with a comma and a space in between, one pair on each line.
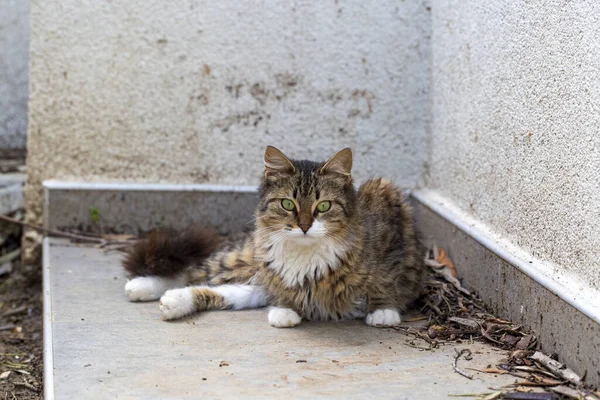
306, 201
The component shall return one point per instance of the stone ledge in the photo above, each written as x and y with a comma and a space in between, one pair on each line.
11, 193
564, 319
135, 208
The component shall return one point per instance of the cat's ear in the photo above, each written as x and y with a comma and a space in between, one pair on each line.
276, 161
340, 163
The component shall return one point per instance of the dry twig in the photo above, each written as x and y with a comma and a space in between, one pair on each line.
7, 327
557, 368
103, 242
27, 385
15, 311
467, 353
52, 232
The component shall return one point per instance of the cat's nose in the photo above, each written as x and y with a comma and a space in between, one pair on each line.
304, 227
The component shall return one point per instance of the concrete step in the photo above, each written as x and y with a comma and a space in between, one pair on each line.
11, 192
99, 346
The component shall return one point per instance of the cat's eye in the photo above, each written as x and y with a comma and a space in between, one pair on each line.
324, 206
288, 204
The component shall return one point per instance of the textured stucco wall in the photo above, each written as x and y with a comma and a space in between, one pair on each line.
14, 59
192, 91
516, 120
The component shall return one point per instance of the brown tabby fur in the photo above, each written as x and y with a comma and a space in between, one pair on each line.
166, 252
381, 265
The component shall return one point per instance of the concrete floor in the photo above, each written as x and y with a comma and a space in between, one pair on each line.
104, 347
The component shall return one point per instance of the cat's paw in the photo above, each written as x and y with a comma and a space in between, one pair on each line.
283, 317
177, 303
383, 318
143, 288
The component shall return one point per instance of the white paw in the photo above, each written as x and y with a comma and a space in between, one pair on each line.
177, 303
383, 318
144, 288
147, 288
283, 317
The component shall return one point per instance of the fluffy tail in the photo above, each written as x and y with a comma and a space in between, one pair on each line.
167, 253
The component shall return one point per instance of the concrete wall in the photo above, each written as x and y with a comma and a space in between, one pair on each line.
192, 91
516, 119
14, 79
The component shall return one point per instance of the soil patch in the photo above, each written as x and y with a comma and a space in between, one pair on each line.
21, 360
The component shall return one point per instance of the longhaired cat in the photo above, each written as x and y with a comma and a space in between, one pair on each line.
321, 250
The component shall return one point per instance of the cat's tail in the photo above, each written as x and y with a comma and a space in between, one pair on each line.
167, 253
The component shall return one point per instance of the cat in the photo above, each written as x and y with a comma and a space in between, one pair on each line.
321, 250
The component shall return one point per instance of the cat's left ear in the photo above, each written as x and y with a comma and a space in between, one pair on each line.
276, 161
340, 163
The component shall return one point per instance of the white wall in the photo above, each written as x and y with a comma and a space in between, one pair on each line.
516, 121
14, 78
192, 91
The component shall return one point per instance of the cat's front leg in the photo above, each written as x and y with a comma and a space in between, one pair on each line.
178, 303
283, 317
383, 318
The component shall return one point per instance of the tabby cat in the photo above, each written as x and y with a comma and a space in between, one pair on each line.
321, 250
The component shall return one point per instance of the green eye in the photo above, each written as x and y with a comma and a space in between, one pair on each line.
288, 204
324, 206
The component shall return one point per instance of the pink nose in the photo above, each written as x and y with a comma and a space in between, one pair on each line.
304, 227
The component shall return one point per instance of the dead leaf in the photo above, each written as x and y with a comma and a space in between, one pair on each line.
434, 264
509, 339
525, 342
446, 268
444, 259
5, 374
465, 322
22, 371
488, 337
448, 276
520, 354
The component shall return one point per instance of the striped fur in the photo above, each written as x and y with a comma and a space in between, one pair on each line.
358, 258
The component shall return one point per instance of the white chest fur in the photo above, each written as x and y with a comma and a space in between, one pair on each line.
297, 262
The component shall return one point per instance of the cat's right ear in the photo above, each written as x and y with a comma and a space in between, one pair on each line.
276, 161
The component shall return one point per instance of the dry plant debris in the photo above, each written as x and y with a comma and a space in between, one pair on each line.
459, 354
21, 363
102, 240
455, 316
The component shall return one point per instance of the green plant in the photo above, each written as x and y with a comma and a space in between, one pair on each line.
94, 215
